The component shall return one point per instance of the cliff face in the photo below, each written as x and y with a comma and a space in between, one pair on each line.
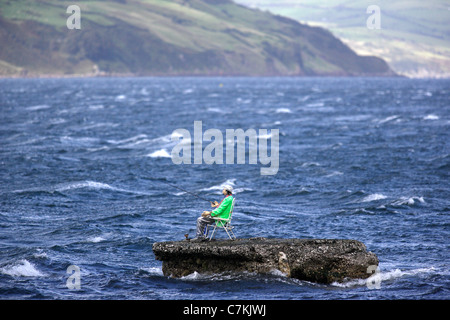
178, 37
315, 260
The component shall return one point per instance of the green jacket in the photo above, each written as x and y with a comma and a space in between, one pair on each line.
223, 210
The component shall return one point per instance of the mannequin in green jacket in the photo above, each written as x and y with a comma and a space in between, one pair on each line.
222, 211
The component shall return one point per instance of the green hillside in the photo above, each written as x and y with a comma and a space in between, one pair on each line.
157, 37
414, 37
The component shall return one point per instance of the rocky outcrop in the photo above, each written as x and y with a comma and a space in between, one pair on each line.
315, 260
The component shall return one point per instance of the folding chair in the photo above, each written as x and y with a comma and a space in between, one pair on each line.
225, 224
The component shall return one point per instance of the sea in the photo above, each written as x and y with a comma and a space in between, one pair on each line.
88, 183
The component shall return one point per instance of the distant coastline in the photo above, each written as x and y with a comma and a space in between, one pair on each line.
153, 38
189, 75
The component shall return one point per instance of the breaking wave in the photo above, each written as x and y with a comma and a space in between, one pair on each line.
374, 197
408, 201
160, 154
283, 110
22, 269
381, 276
431, 117
93, 185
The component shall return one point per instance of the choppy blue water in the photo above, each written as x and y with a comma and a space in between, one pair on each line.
83, 163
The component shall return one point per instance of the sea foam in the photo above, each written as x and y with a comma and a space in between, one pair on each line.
431, 117
83, 184
220, 186
160, 154
96, 239
283, 110
374, 197
409, 201
22, 269
381, 276
38, 107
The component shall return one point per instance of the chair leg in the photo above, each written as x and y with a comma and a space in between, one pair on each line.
226, 230
212, 234
234, 237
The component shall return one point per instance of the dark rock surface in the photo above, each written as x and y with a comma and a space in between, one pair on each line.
315, 260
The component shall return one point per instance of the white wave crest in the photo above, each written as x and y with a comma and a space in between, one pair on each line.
265, 136
160, 154
96, 239
83, 184
388, 119
310, 164
120, 97
216, 110
140, 140
68, 186
127, 140
193, 276
334, 173
431, 117
153, 270
408, 201
374, 197
283, 110
22, 269
379, 277
38, 107
219, 187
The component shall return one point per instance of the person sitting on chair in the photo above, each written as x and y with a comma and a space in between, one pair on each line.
222, 211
